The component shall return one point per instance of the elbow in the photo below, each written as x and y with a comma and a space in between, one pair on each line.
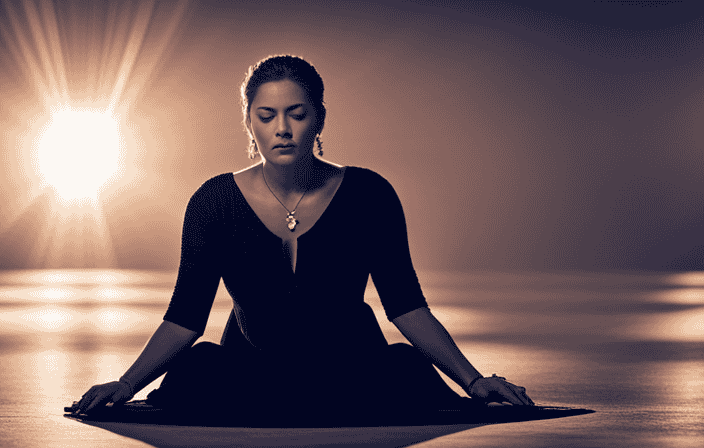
176, 332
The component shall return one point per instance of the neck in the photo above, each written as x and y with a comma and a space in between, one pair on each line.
294, 178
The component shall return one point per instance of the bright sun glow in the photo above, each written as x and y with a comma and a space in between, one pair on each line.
77, 74
78, 152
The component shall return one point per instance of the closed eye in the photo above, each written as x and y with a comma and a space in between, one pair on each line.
266, 119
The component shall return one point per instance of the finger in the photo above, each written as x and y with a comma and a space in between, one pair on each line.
93, 392
521, 392
512, 397
97, 400
88, 397
85, 399
88, 405
525, 395
72, 408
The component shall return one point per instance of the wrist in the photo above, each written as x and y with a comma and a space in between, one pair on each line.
471, 384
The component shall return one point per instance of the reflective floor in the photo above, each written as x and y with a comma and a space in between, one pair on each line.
630, 346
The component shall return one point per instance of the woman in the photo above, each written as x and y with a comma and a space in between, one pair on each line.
295, 239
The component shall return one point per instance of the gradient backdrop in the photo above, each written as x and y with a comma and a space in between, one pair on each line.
519, 135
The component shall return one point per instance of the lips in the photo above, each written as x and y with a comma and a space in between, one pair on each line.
286, 146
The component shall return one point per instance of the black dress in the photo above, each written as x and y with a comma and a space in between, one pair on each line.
298, 336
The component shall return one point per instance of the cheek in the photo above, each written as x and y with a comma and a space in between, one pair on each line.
258, 130
308, 128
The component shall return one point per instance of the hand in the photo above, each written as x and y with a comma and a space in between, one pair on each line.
497, 389
114, 392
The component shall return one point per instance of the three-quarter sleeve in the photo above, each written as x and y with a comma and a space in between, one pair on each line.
199, 270
392, 269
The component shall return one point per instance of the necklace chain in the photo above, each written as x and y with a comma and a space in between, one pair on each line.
291, 221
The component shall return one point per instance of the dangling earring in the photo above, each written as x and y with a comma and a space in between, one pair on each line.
252, 151
320, 145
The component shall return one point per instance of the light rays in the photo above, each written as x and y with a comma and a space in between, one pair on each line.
79, 144
69, 140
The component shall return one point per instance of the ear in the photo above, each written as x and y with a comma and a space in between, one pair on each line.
320, 123
248, 126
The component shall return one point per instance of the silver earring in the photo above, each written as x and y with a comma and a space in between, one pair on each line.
252, 151
320, 145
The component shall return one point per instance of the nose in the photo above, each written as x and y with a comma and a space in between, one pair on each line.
283, 128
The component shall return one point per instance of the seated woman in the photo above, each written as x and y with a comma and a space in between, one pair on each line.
295, 239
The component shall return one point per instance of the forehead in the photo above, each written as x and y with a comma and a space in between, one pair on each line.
279, 94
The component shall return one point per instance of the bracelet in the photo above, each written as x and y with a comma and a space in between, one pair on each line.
469, 387
124, 381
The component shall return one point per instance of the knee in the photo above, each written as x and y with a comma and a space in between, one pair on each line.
402, 347
405, 350
203, 350
206, 346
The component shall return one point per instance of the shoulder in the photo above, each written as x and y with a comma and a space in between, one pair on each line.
365, 180
365, 175
215, 185
212, 192
216, 182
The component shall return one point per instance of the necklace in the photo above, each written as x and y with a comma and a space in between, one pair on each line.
291, 221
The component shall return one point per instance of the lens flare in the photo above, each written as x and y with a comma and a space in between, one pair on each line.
80, 70
78, 152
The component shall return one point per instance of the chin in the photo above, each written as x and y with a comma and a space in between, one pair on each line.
286, 159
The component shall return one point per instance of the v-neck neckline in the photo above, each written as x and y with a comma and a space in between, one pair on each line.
268, 230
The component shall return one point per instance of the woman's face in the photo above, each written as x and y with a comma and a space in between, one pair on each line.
283, 122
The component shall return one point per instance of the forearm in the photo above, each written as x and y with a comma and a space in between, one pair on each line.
429, 336
167, 341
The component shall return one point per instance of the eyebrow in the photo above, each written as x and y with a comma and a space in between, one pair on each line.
288, 109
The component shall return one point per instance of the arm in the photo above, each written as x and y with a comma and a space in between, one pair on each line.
404, 303
168, 341
196, 286
431, 338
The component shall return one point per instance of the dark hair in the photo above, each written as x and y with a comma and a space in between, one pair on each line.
277, 68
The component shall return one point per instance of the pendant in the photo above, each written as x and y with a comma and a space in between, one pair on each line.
292, 222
